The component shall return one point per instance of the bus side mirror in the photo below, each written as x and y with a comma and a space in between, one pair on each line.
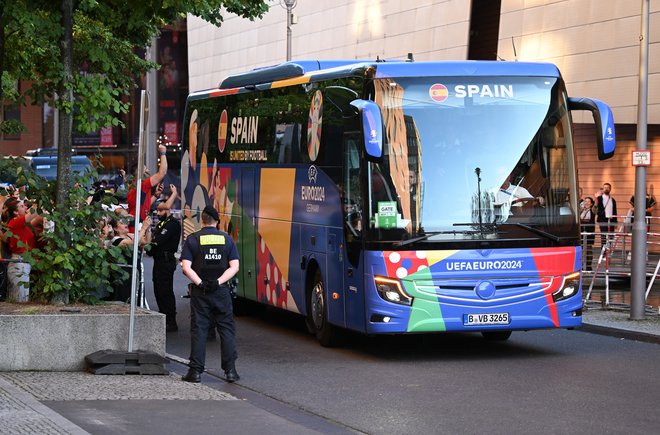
604, 121
372, 125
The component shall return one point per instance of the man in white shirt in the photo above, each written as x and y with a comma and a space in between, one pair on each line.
605, 211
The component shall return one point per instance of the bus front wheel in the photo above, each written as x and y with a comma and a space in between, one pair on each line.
496, 335
317, 317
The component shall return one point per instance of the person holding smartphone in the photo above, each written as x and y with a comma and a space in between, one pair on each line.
605, 212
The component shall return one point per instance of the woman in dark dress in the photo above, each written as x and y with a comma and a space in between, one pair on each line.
124, 240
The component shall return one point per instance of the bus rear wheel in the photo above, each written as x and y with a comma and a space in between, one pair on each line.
317, 317
496, 335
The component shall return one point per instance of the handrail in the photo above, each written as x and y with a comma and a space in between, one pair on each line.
608, 251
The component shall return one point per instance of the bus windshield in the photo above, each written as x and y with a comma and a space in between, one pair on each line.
472, 159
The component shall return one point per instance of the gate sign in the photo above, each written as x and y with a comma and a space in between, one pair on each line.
641, 158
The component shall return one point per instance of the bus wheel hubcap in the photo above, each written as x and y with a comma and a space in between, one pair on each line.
318, 305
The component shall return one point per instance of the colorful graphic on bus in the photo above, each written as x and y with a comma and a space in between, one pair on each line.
438, 92
314, 126
222, 131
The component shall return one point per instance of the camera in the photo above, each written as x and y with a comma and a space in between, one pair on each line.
233, 285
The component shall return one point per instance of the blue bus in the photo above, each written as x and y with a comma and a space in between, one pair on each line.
397, 197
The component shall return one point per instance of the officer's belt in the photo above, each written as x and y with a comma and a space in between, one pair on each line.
212, 290
164, 254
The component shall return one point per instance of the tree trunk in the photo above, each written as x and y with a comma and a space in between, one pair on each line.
65, 95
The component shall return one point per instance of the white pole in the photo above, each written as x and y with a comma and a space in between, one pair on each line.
144, 122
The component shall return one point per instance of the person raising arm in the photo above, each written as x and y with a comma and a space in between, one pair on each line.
147, 184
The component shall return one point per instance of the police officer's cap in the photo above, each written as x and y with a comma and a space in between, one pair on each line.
209, 210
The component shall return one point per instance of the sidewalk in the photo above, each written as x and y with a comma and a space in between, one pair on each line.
37, 402
615, 321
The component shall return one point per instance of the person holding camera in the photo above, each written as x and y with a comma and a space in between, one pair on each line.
149, 180
25, 226
210, 260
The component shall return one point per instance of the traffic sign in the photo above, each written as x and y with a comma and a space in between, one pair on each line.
641, 158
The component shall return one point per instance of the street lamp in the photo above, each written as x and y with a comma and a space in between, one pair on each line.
290, 4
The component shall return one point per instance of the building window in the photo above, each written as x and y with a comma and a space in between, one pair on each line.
13, 113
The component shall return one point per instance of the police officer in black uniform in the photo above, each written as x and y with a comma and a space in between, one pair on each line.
165, 243
210, 261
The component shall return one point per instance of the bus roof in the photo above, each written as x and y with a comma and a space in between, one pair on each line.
466, 68
306, 71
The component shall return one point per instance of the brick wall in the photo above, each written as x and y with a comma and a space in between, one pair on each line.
31, 117
618, 171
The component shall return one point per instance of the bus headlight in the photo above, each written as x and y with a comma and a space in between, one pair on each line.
569, 287
391, 291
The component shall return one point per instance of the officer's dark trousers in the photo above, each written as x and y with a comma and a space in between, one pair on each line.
163, 278
206, 308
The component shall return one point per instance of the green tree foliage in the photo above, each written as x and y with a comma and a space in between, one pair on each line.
81, 57
10, 168
107, 37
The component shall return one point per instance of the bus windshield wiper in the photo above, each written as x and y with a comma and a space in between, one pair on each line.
477, 228
491, 227
413, 240
427, 235
545, 234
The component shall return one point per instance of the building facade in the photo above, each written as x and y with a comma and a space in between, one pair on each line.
595, 44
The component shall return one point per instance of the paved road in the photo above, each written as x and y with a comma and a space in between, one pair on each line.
542, 381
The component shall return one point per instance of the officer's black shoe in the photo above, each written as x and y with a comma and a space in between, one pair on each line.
192, 376
231, 375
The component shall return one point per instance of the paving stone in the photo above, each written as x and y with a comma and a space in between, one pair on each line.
21, 414
86, 386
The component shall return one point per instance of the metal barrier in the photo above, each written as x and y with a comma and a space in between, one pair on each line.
614, 258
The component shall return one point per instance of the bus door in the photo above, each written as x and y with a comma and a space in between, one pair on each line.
353, 288
351, 249
335, 277
248, 236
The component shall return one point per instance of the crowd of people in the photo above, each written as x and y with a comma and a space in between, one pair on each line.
22, 227
602, 213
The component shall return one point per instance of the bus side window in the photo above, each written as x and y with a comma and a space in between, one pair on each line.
285, 142
351, 197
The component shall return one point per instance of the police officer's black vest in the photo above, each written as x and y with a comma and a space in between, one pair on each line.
212, 258
171, 244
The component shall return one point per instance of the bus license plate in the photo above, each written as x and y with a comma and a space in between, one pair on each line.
486, 319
